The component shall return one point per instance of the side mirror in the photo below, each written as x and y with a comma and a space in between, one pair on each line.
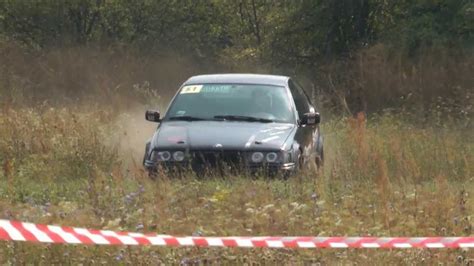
153, 116
310, 119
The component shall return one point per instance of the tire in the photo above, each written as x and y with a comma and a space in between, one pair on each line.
147, 148
144, 158
322, 154
301, 162
320, 158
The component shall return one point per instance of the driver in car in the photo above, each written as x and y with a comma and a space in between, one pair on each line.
261, 104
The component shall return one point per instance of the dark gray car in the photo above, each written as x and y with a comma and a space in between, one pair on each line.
236, 122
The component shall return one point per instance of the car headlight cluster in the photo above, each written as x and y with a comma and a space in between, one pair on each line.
165, 156
258, 157
178, 156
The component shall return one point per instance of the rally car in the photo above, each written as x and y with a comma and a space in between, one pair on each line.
236, 122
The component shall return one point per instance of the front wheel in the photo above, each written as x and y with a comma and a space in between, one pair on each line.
320, 158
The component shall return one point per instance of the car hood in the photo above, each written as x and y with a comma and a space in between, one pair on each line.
225, 135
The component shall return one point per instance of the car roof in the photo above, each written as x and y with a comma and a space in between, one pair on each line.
239, 79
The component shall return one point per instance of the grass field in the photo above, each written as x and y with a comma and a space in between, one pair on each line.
383, 176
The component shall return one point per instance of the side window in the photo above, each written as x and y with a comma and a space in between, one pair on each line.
308, 101
301, 100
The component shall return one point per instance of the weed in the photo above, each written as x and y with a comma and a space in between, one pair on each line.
382, 177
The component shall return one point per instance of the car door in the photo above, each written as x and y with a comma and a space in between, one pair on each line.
307, 136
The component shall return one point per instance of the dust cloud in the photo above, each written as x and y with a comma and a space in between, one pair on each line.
132, 133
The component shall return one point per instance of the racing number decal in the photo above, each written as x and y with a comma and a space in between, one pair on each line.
191, 89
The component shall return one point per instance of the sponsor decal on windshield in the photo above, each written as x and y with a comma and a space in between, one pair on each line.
191, 89
207, 89
216, 88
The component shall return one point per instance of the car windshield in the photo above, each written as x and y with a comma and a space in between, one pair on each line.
233, 102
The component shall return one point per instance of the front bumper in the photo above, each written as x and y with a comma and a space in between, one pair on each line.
221, 168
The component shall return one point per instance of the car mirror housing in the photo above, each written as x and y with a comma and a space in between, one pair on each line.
310, 119
152, 116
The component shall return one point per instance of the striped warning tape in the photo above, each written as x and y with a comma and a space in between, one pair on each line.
20, 231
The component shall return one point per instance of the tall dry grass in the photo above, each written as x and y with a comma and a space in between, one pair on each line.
435, 86
115, 75
383, 177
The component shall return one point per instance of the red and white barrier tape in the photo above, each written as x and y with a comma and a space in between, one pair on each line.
20, 231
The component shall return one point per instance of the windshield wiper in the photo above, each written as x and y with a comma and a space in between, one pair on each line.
186, 118
243, 118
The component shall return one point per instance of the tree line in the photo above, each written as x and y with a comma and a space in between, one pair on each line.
276, 31
281, 35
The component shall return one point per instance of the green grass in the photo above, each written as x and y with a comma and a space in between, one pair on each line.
382, 177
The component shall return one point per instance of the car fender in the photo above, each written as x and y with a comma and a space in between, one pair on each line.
297, 154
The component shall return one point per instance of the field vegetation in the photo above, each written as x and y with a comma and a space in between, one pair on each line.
383, 177
392, 79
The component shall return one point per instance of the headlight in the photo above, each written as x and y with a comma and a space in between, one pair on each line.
164, 155
178, 156
271, 157
257, 157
